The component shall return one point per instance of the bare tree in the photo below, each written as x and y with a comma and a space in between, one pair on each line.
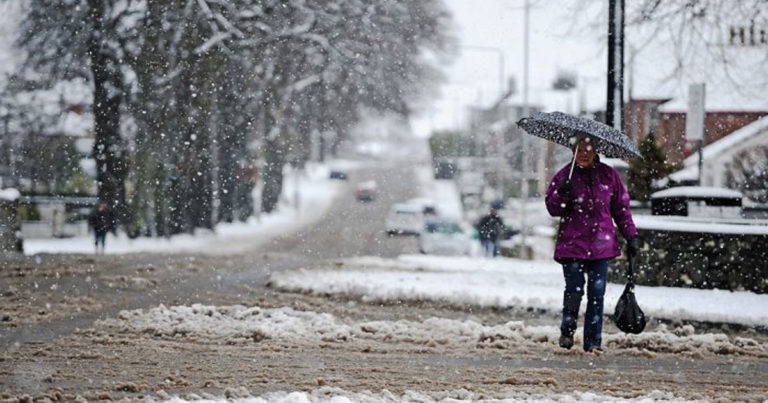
703, 37
748, 172
201, 80
62, 38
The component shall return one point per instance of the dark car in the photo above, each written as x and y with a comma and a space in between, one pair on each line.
338, 175
366, 191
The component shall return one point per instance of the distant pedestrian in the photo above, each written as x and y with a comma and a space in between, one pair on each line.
101, 221
490, 228
588, 203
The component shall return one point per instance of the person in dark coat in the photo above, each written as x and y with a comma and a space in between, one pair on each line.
101, 221
490, 228
588, 204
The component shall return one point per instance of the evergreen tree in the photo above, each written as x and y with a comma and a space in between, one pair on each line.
642, 172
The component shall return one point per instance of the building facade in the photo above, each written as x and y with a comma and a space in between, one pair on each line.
642, 116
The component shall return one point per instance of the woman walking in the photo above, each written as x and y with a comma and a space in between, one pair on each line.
588, 200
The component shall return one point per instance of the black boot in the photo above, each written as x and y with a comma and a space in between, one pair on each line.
571, 303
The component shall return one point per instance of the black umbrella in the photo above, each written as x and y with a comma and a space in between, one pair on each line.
564, 129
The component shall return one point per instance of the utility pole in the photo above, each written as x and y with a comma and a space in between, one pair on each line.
524, 138
615, 103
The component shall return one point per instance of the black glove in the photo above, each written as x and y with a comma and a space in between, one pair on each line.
565, 188
632, 247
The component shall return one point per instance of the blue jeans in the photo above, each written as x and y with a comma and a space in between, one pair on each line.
489, 247
596, 272
101, 238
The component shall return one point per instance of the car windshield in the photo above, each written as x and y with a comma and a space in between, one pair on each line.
443, 227
367, 185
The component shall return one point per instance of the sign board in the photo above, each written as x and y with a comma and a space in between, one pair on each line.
694, 120
748, 36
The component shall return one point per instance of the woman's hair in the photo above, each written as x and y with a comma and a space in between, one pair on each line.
576, 143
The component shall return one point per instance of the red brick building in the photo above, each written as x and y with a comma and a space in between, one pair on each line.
642, 116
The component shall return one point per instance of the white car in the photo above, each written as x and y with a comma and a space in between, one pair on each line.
405, 218
428, 206
442, 236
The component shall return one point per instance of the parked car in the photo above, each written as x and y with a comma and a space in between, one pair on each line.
428, 207
405, 218
366, 191
338, 175
442, 236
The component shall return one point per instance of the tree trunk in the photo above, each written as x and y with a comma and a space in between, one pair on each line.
274, 156
200, 117
150, 203
229, 152
107, 97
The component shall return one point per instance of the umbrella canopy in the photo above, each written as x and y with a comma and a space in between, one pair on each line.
562, 129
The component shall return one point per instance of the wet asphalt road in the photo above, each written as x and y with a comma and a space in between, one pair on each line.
349, 228
355, 228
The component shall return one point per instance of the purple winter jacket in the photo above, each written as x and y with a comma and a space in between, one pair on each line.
598, 197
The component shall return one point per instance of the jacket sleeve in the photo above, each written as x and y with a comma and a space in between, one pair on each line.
556, 203
620, 209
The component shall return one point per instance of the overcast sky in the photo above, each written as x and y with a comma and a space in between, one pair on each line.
566, 35
497, 26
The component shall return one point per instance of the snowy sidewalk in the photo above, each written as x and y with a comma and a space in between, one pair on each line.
315, 197
508, 283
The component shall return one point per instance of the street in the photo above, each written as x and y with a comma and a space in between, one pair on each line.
63, 335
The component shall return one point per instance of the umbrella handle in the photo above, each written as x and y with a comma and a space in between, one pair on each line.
573, 163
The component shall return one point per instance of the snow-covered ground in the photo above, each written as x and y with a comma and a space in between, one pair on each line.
510, 283
331, 394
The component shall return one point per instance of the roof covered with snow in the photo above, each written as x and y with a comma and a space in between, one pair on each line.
756, 128
9, 194
697, 191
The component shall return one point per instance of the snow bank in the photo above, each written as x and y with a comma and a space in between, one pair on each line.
507, 283
338, 395
239, 324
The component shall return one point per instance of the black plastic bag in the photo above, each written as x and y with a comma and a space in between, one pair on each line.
628, 316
